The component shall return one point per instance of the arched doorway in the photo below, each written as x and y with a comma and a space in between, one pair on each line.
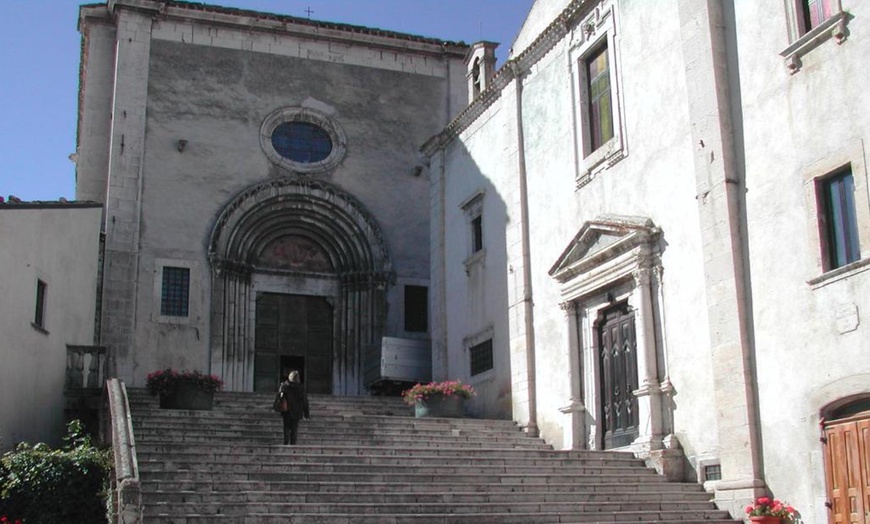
299, 277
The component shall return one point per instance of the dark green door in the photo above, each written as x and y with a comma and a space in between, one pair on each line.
295, 330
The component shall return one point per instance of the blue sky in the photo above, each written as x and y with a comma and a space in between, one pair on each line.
39, 60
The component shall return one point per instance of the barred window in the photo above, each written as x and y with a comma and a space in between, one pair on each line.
481, 357
175, 295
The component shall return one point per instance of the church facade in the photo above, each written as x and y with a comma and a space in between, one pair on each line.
648, 231
264, 208
651, 233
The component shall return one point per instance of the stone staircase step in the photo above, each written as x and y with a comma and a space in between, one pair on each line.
311, 452
385, 496
368, 460
574, 510
194, 457
350, 488
658, 517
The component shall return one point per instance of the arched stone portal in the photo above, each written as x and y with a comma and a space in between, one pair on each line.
296, 238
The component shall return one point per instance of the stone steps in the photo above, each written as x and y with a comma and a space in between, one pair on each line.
297, 493
369, 461
661, 517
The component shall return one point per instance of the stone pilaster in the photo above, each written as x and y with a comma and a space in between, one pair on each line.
123, 196
719, 192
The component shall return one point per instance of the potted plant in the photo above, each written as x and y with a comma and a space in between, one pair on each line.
184, 389
439, 399
768, 511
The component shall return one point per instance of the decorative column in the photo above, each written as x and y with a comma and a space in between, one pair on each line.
232, 354
575, 433
648, 394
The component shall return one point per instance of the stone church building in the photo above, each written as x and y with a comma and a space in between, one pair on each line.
648, 231
265, 201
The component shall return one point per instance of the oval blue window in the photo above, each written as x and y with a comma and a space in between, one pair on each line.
302, 142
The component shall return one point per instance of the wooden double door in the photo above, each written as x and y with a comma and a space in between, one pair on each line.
293, 332
847, 469
617, 365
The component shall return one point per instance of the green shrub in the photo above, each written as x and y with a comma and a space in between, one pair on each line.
41, 485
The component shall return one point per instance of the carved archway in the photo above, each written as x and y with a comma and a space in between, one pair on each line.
308, 234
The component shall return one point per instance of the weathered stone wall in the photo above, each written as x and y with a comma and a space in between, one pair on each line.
190, 98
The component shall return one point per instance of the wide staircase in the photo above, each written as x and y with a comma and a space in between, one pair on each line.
367, 460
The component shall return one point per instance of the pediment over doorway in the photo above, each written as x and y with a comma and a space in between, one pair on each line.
604, 242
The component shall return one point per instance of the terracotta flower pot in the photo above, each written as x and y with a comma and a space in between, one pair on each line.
766, 520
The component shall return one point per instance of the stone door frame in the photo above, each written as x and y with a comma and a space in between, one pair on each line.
357, 283
614, 259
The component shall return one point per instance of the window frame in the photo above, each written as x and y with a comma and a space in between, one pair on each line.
597, 30
473, 341
472, 207
838, 225
176, 303
849, 157
803, 39
482, 345
40, 307
193, 312
310, 116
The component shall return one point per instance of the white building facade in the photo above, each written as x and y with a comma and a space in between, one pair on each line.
49, 254
651, 231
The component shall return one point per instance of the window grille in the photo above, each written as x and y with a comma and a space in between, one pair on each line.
481, 357
176, 292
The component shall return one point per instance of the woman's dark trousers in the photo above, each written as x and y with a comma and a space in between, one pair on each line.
291, 429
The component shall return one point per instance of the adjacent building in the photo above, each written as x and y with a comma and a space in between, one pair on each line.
49, 254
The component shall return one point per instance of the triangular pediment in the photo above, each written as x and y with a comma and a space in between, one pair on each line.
601, 240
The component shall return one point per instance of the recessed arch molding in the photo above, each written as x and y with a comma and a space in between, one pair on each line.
298, 215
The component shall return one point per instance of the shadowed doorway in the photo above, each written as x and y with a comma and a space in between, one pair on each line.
293, 331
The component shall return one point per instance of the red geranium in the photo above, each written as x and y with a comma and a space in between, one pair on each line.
765, 507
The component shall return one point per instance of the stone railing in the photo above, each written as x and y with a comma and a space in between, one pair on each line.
87, 367
126, 488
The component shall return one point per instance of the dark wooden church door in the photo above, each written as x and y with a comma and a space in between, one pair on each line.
293, 332
617, 362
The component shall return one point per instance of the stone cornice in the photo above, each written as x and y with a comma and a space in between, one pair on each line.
251, 20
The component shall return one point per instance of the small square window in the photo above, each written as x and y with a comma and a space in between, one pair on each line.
481, 357
839, 224
416, 309
175, 294
713, 472
41, 295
